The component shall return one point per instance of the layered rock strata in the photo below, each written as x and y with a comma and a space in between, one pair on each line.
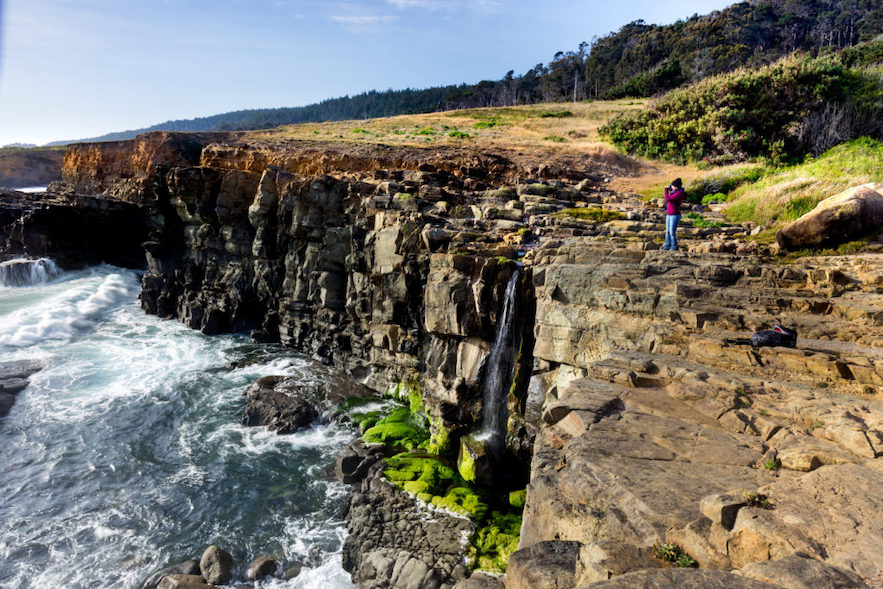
655, 423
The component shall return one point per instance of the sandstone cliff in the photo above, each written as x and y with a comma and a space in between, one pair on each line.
646, 418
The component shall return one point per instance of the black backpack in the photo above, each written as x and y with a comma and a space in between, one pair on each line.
777, 336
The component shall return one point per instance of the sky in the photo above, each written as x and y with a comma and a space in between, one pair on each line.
72, 69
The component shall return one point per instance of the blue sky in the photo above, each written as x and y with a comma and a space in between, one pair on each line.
78, 68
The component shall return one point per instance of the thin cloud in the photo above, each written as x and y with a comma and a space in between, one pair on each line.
446, 5
426, 4
363, 23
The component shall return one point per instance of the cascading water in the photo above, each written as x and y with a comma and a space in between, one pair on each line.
26, 272
498, 377
125, 453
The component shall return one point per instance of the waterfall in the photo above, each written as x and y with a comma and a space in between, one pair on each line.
28, 272
498, 376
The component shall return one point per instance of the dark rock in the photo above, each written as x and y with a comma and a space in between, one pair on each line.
392, 542
280, 411
13, 379
216, 565
262, 567
190, 567
546, 565
291, 572
354, 462
6, 403
183, 582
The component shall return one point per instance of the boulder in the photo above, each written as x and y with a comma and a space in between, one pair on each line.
261, 568
545, 565
474, 462
190, 567
354, 462
798, 571
840, 218
216, 565
183, 582
274, 406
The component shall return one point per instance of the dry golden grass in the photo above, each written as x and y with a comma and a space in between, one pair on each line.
565, 127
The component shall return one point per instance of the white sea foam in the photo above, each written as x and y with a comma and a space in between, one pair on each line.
60, 316
27, 272
126, 454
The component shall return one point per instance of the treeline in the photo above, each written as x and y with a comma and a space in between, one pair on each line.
638, 60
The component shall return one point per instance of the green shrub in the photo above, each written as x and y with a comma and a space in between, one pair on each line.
459, 135
768, 112
555, 138
556, 114
426, 131
485, 124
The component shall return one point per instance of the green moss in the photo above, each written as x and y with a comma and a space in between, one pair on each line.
463, 500
492, 544
440, 441
517, 498
466, 463
399, 428
590, 214
538, 189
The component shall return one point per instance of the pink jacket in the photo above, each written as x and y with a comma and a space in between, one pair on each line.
673, 200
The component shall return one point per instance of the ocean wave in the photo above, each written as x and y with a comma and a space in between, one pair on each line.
61, 316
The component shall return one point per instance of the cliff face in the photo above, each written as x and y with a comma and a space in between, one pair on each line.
30, 167
650, 419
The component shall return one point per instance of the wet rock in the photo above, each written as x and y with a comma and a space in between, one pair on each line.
291, 572
354, 462
190, 567
393, 542
269, 404
261, 568
14, 379
183, 582
474, 461
216, 565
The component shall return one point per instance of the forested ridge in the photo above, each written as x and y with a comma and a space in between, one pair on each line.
638, 60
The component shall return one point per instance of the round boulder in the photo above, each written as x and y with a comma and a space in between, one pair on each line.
216, 565
261, 568
840, 218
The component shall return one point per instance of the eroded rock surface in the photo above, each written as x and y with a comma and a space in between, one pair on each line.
393, 542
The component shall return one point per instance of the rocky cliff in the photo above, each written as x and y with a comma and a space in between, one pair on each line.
645, 417
20, 168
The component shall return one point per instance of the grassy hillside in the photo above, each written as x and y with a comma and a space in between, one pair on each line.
771, 196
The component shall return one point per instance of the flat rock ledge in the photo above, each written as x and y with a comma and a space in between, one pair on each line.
393, 541
14, 379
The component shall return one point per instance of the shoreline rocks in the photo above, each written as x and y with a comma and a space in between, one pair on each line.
14, 379
273, 401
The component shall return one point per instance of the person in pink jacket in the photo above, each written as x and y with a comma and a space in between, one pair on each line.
674, 196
